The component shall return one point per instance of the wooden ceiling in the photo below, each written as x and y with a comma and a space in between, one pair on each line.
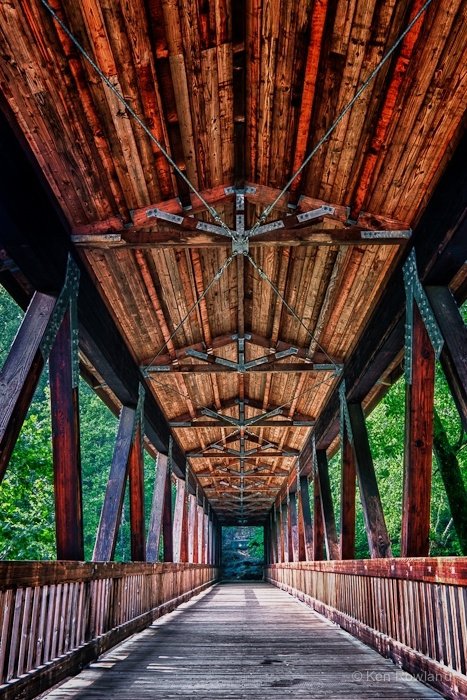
238, 93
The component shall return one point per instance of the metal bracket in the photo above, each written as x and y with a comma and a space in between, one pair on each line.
315, 213
344, 414
240, 244
369, 235
68, 293
165, 216
139, 413
414, 291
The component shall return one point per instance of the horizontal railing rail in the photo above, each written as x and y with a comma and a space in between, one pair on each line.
56, 617
413, 611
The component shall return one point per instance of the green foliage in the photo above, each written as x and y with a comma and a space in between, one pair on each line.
242, 552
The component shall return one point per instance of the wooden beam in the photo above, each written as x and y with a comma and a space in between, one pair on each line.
327, 507
20, 374
191, 527
306, 236
213, 367
285, 531
179, 520
453, 355
418, 444
155, 523
307, 518
378, 539
293, 514
112, 508
200, 519
348, 483
318, 524
167, 531
136, 483
64, 402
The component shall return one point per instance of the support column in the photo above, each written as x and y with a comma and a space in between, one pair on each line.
112, 508
21, 372
136, 482
453, 355
167, 532
418, 444
200, 511
280, 539
306, 516
348, 483
64, 401
285, 531
179, 520
377, 534
293, 525
191, 527
327, 507
155, 524
318, 525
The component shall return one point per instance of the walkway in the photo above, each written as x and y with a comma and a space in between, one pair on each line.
239, 641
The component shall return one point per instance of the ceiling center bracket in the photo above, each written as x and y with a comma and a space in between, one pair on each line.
240, 244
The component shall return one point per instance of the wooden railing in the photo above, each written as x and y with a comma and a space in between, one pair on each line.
413, 611
56, 617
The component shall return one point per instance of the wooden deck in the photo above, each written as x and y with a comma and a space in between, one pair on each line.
247, 640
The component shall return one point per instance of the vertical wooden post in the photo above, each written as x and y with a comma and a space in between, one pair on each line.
418, 444
191, 527
274, 535
306, 515
205, 535
155, 524
112, 509
200, 533
20, 374
293, 525
348, 483
66, 445
375, 525
453, 355
167, 532
136, 482
280, 538
318, 525
327, 507
285, 530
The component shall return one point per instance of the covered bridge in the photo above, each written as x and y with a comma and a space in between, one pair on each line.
240, 221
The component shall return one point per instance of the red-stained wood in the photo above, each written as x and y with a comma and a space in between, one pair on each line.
348, 482
285, 532
20, 374
191, 527
317, 24
388, 107
377, 534
155, 523
64, 402
418, 453
318, 525
109, 524
136, 484
327, 506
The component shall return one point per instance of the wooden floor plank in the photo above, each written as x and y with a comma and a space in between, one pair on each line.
237, 641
